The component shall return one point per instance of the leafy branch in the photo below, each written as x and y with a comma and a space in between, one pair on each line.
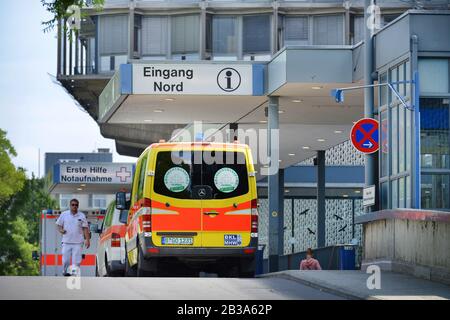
58, 8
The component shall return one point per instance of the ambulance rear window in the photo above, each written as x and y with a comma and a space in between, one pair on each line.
177, 173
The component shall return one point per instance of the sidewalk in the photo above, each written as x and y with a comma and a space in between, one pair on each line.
352, 284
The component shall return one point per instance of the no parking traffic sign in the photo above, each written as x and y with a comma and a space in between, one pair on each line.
364, 135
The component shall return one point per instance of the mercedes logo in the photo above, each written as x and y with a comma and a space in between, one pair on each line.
201, 192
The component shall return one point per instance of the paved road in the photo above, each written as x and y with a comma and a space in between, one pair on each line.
158, 288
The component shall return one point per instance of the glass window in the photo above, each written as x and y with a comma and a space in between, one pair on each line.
226, 177
140, 193
394, 78
137, 32
401, 77
358, 29
408, 138
329, 30
224, 35
434, 75
185, 34
256, 34
435, 133
154, 36
384, 145
408, 192
109, 217
401, 138
64, 200
394, 188
435, 191
384, 195
387, 18
394, 140
113, 34
296, 30
99, 201
401, 193
383, 90
408, 77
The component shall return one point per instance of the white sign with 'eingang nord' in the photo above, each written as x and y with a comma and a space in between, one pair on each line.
195, 79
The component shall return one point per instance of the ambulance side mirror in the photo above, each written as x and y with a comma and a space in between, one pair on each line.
121, 201
123, 218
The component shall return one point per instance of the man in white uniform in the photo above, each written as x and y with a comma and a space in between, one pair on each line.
73, 225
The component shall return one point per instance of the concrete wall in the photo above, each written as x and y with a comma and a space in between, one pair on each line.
417, 247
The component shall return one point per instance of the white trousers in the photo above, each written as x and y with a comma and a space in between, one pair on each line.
71, 250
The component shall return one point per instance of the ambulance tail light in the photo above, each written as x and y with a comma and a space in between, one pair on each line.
254, 218
115, 240
146, 203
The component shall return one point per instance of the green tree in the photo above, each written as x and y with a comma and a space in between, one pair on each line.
11, 179
21, 201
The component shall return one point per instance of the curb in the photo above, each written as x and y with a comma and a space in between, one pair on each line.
339, 292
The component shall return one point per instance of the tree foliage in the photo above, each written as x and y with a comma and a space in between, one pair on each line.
21, 201
58, 8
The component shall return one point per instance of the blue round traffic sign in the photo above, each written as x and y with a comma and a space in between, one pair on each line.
364, 135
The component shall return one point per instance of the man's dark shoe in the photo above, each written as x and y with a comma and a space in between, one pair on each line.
67, 274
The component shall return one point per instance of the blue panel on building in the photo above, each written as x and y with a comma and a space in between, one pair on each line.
126, 79
258, 79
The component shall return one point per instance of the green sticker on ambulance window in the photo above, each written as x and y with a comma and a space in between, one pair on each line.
226, 180
176, 179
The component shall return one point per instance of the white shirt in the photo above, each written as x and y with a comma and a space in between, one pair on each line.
73, 224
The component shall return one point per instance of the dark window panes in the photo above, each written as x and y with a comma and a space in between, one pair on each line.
256, 34
384, 195
435, 191
224, 35
202, 168
435, 133
143, 170
235, 162
296, 30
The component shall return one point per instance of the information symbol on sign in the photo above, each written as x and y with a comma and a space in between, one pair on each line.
364, 135
228, 79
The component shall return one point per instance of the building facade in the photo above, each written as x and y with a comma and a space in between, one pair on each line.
296, 51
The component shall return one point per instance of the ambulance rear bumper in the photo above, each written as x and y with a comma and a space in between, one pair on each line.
244, 252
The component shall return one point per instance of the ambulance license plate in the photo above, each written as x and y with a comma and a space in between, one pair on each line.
232, 240
177, 241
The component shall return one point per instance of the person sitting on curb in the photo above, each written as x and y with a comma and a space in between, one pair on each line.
310, 263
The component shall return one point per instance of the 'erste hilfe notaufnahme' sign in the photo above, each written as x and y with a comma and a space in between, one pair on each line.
196, 79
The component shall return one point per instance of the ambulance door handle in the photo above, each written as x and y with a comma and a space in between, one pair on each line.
212, 213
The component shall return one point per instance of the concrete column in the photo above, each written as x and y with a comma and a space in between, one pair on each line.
320, 198
64, 39
59, 56
275, 6
233, 132
131, 31
347, 22
273, 185
371, 160
77, 52
71, 53
202, 38
280, 212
